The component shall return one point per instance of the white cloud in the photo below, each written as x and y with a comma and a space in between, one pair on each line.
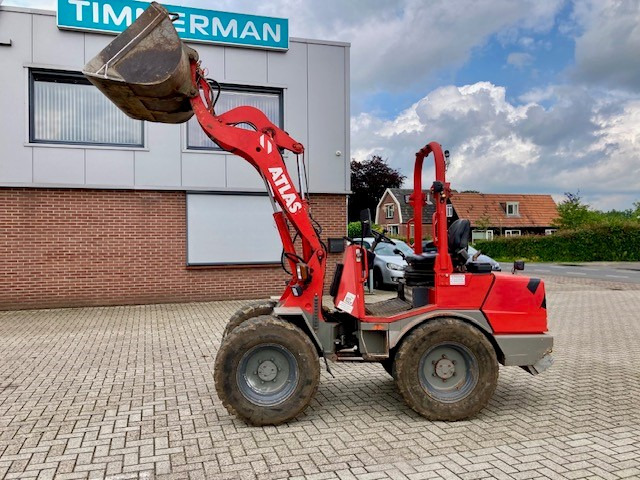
520, 59
607, 46
582, 142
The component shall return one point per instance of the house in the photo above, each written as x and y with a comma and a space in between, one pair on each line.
504, 214
394, 213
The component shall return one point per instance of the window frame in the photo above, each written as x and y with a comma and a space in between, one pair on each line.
214, 264
76, 78
389, 207
449, 210
550, 231
231, 87
487, 234
516, 209
512, 233
393, 226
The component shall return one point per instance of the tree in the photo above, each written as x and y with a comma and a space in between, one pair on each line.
573, 213
369, 180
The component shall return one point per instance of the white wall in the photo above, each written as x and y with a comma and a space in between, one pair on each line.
314, 76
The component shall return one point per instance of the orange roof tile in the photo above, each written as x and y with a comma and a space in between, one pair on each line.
534, 210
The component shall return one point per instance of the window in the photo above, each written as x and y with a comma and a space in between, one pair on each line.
232, 229
393, 229
389, 210
481, 235
513, 209
512, 233
550, 231
269, 100
65, 108
449, 210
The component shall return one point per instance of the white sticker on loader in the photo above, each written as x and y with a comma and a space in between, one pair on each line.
346, 305
457, 280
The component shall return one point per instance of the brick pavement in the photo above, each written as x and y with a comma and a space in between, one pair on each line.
127, 392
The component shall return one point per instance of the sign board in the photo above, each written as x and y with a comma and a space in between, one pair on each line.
192, 24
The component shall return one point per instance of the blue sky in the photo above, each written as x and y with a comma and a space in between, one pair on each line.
530, 96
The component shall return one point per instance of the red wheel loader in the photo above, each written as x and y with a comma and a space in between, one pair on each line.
442, 338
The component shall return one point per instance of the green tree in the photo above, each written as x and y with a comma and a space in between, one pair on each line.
369, 180
573, 213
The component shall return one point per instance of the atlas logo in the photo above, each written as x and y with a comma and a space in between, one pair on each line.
284, 188
265, 141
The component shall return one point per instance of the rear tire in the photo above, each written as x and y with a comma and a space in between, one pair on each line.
446, 370
266, 371
387, 364
251, 310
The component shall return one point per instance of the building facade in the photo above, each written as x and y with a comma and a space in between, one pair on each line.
98, 209
396, 215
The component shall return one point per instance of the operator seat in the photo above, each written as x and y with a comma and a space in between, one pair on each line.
459, 233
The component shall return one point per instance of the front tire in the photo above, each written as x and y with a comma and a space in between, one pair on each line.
266, 371
446, 369
251, 310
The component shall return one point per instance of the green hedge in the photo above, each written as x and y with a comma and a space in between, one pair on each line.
618, 242
354, 229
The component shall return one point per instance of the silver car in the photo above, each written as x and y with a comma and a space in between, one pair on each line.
388, 267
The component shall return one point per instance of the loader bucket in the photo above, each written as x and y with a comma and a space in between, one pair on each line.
145, 70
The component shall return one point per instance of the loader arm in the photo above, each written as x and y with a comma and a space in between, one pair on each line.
261, 148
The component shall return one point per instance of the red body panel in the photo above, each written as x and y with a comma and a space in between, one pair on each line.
451, 294
516, 305
350, 296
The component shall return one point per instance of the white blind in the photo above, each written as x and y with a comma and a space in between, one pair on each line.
269, 103
67, 110
231, 229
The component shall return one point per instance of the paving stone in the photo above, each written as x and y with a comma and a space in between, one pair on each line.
128, 392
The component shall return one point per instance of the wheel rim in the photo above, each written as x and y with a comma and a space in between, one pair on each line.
448, 372
267, 374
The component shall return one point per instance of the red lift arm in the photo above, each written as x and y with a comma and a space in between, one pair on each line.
261, 148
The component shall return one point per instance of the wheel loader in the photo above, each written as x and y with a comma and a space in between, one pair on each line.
441, 338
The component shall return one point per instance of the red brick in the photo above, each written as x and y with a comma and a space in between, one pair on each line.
72, 247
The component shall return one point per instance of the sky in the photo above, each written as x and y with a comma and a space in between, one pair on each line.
529, 96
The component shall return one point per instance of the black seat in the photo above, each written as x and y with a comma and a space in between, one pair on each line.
459, 233
424, 259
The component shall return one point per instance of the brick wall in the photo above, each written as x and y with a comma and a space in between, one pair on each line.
71, 247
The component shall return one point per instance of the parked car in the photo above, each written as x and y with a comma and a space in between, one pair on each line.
429, 247
388, 267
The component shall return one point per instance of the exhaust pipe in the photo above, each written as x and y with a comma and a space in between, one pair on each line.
146, 70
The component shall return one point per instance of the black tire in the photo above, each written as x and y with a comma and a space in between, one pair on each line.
251, 310
387, 364
378, 283
430, 386
289, 359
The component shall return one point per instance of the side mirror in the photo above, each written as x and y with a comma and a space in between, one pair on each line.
365, 221
517, 265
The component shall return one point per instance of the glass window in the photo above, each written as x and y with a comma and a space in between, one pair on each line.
389, 210
449, 210
267, 100
66, 108
513, 209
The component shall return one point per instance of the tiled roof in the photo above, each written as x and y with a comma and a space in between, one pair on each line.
534, 210
407, 210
